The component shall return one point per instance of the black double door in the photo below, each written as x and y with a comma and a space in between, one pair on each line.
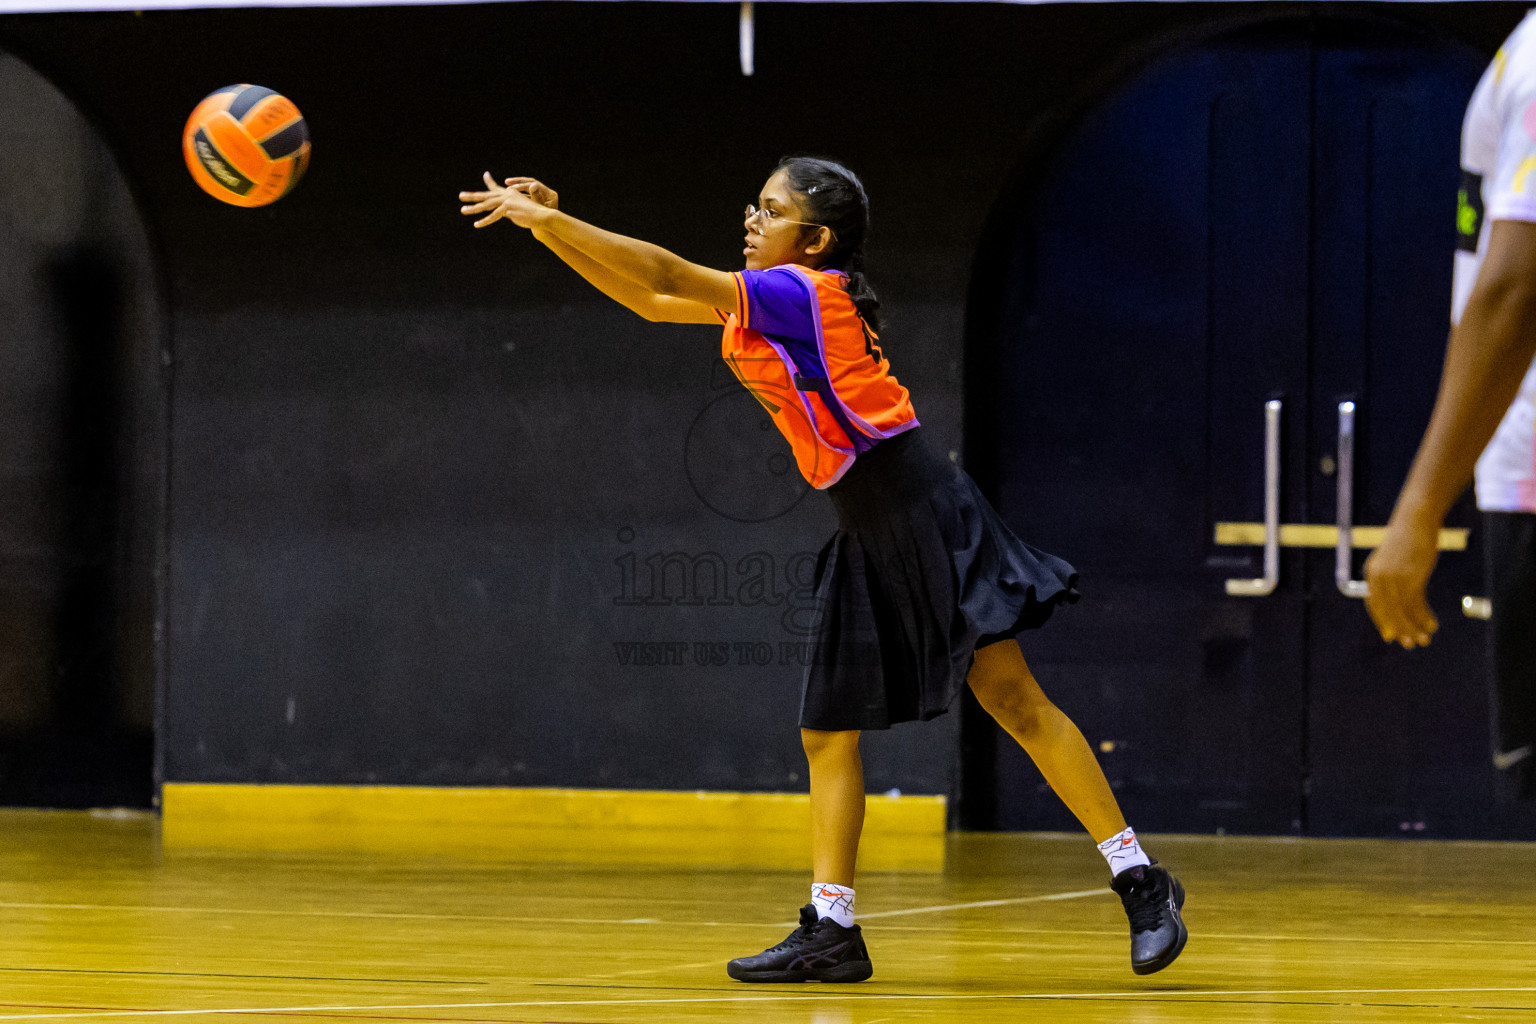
1255, 234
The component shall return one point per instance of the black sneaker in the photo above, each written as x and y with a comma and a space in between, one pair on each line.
816, 951
1152, 899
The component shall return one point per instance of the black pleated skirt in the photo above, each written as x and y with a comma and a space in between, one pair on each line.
920, 573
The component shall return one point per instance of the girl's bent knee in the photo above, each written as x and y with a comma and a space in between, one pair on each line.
1013, 699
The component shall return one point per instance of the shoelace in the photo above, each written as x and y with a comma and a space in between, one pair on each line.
1144, 906
808, 922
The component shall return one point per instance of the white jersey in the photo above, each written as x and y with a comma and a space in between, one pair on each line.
1498, 165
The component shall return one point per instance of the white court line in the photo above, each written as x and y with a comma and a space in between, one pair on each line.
987, 903
883, 913
813, 998
272, 912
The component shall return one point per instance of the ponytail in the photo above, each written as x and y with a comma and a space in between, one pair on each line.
863, 296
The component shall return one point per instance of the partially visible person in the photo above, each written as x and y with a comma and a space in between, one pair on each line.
1485, 412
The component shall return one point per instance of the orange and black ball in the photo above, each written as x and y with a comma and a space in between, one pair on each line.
246, 145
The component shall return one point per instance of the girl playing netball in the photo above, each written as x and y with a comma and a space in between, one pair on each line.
922, 588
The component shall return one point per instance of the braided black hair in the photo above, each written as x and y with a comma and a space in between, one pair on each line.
832, 195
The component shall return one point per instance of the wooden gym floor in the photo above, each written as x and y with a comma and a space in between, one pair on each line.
98, 922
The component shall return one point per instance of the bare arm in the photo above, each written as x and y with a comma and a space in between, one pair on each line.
1488, 355
653, 307
650, 267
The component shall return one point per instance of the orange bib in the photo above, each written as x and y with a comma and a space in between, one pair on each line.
801, 348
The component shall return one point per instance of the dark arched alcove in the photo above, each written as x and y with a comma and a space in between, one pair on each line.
82, 461
1265, 212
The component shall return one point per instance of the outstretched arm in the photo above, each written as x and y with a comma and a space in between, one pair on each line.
1488, 355
641, 276
653, 307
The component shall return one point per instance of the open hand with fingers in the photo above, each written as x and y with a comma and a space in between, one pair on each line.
523, 201
535, 190
1397, 573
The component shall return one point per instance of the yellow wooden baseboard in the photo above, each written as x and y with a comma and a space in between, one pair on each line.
769, 830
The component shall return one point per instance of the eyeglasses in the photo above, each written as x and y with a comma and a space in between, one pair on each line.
757, 217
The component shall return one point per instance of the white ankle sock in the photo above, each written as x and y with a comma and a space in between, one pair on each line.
834, 901
1123, 851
